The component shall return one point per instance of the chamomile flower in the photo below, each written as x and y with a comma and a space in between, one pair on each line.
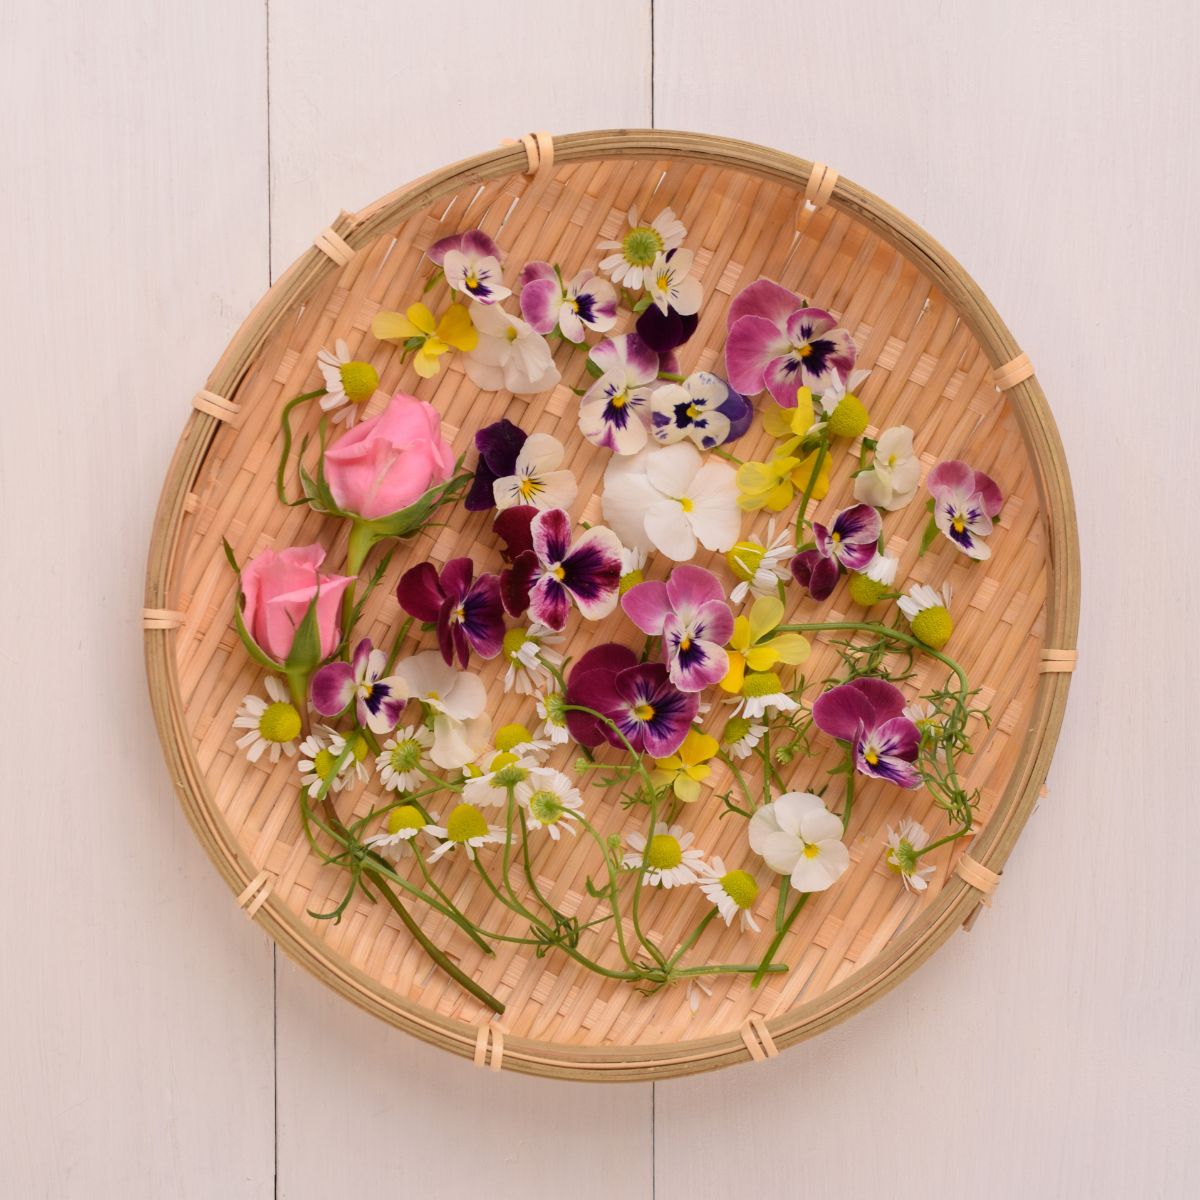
928, 612
318, 762
465, 827
762, 693
732, 892
404, 760
923, 715
874, 582
632, 262
528, 652
741, 736
669, 860
760, 564
349, 383
551, 708
402, 826
902, 857
272, 725
550, 800
633, 562
358, 753
498, 770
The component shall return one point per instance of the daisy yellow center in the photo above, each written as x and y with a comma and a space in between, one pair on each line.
933, 626
644, 712
407, 816
762, 683
735, 730
466, 822
811, 850
511, 774
358, 746
903, 858
545, 806
740, 887
510, 736
279, 723
501, 760
744, 560
849, 418
514, 639
632, 579
359, 381
866, 591
323, 764
641, 246
405, 755
664, 852
529, 487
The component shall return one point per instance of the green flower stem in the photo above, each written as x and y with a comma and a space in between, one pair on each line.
848, 807
781, 901
673, 376
693, 937
736, 771
286, 450
731, 969
806, 495
461, 920
362, 539
396, 645
722, 453
942, 841
765, 967
613, 886
527, 867
449, 785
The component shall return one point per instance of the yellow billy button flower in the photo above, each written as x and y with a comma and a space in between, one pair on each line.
687, 768
755, 645
850, 418
430, 337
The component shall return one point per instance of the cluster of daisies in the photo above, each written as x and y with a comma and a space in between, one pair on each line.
417, 726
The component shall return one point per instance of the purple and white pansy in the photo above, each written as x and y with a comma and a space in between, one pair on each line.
378, 700
671, 285
850, 544
466, 610
776, 341
868, 714
703, 408
537, 477
691, 616
965, 505
472, 266
586, 302
550, 572
612, 410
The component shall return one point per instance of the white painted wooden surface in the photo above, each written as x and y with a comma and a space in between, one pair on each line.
159, 161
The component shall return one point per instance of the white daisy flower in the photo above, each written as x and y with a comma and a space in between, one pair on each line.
402, 826
762, 693
836, 389
349, 383
928, 612
404, 755
741, 736
902, 858
465, 827
923, 715
761, 564
633, 261
358, 755
633, 562
527, 652
670, 862
550, 800
317, 761
733, 893
499, 771
273, 724
554, 718
799, 837
670, 283
882, 569
536, 479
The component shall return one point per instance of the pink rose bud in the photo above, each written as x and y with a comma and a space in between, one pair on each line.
388, 462
278, 590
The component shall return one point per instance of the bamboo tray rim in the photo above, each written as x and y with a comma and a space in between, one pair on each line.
958, 901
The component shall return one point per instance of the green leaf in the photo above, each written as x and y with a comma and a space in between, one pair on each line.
643, 304
306, 645
593, 368
931, 532
256, 652
232, 561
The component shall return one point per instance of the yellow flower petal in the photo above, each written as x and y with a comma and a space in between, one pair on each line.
697, 747
736, 673
393, 327
661, 778
791, 648
456, 328
762, 658
700, 772
765, 614
753, 478
777, 421
777, 499
421, 317
741, 634
425, 362
673, 762
802, 474
688, 790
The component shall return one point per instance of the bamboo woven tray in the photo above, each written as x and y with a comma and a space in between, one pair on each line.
948, 367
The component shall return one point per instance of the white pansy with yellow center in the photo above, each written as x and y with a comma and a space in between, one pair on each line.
272, 725
319, 764
465, 827
527, 652
632, 262
404, 760
537, 480
508, 355
798, 836
668, 857
456, 700
902, 857
733, 893
670, 284
550, 800
349, 383
402, 825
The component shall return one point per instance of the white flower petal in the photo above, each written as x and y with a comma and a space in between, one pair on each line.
668, 527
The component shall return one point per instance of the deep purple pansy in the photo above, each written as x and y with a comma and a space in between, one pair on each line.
549, 572
653, 715
380, 701
850, 543
776, 342
691, 616
467, 611
498, 445
965, 505
868, 714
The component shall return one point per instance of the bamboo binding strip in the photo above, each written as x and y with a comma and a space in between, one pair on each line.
937, 351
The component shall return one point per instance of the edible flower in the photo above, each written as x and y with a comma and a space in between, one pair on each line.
867, 714
668, 857
928, 612
703, 409
473, 268
612, 409
756, 646
686, 769
418, 330
798, 836
467, 611
966, 504
634, 255
586, 302
508, 354
895, 472
849, 544
379, 701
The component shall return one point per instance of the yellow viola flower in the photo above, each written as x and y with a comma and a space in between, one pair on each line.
429, 336
687, 768
755, 645
773, 484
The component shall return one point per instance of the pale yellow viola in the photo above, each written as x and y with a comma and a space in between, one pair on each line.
773, 484
452, 331
756, 647
687, 768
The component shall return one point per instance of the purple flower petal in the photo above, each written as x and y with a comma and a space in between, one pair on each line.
515, 582
592, 684
360, 660
738, 411
332, 688
627, 354
784, 377
753, 344
843, 712
549, 602
807, 324
689, 587
592, 572
419, 592
535, 270
456, 579
499, 445
989, 493
482, 494
551, 534
437, 252
646, 605
713, 621
886, 699
380, 711
476, 242
694, 663
656, 715
513, 527
667, 331
858, 523
540, 302
452, 642
899, 738
763, 298
950, 477
483, 616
